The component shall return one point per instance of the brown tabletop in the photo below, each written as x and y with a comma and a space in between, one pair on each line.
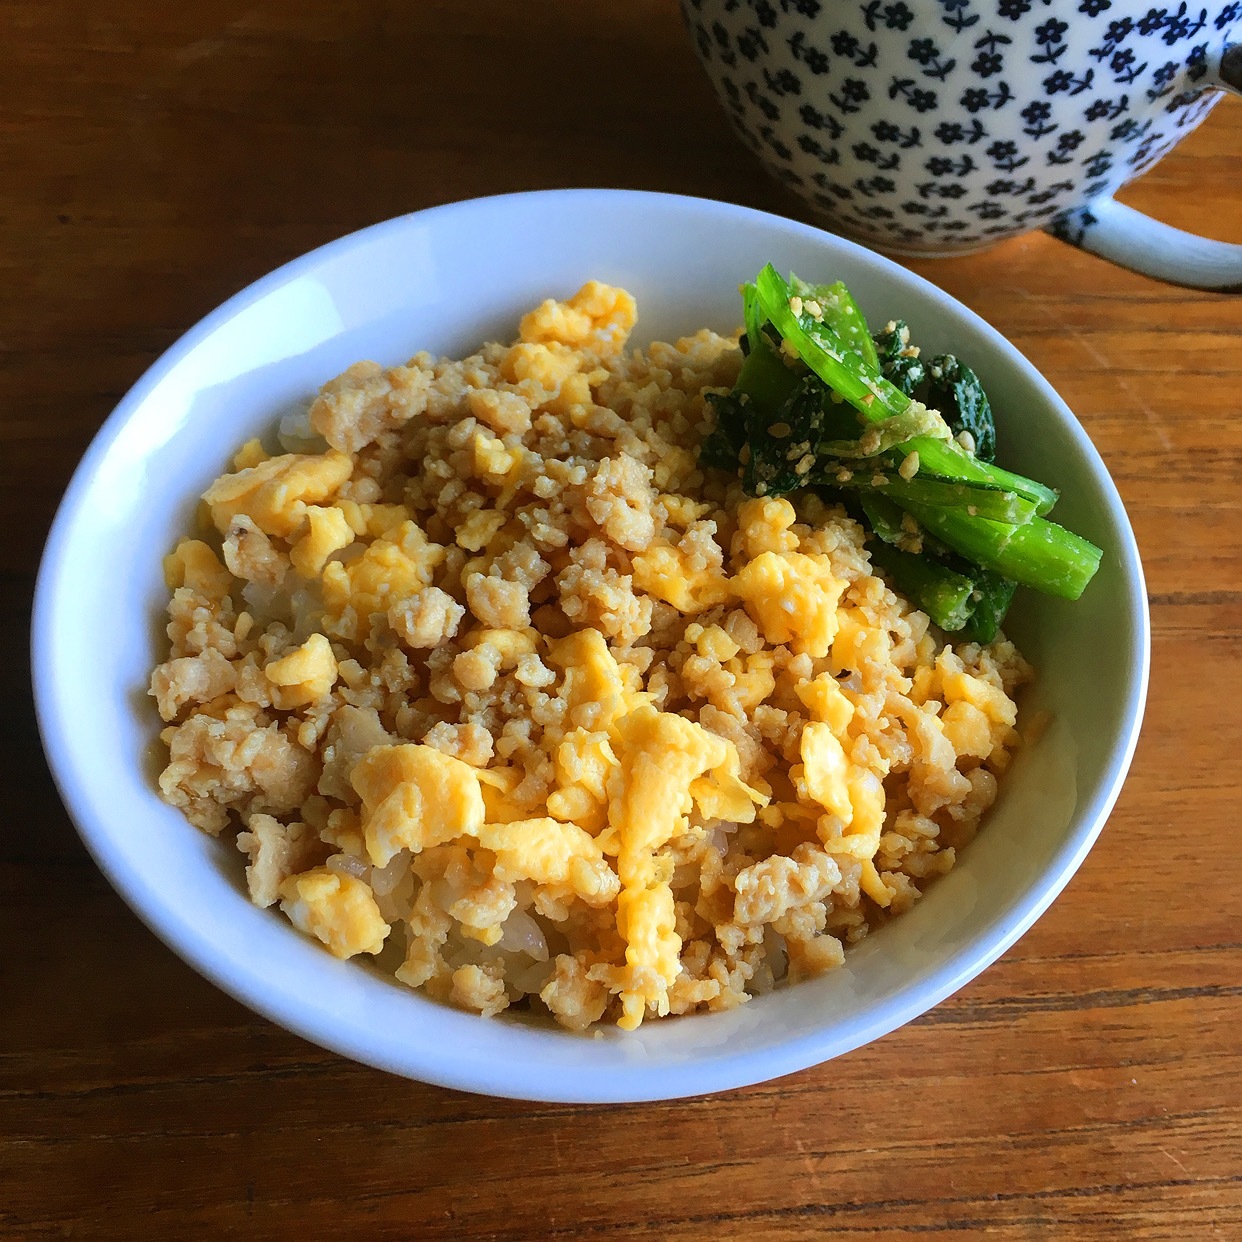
154, 158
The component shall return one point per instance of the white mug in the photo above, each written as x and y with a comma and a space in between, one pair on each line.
941, 126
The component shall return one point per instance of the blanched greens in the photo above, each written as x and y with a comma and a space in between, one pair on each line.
907, 444
954, 389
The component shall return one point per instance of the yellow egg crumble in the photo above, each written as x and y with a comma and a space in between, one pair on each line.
496, 685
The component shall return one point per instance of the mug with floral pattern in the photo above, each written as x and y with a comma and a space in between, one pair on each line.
942, 126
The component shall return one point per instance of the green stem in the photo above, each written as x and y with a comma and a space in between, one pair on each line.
825, 353
975, 500
842, 314
945, 596
1040, 554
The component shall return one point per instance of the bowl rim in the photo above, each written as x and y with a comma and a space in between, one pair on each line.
736, 1070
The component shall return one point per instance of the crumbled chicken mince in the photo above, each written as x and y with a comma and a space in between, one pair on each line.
500, 688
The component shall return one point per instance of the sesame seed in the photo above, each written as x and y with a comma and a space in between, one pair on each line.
844, 476
879, 480
804, 466
779, 431
761, 489
909, 466
966, 440
869, 398
909, 525
972, 510
795, 304
744, 455
814, 309
870, 442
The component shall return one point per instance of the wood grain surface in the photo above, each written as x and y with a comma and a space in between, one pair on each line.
155, 157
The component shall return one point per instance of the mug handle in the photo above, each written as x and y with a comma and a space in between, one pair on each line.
1130, 239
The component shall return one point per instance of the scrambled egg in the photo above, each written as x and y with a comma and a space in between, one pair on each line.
395, 566
305, 675
502, 688
275, 493
414, 797
649, 800
337, 909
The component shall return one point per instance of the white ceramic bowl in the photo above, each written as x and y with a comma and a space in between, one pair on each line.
445, 280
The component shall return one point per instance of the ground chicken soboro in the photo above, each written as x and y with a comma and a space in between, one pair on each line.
499, 688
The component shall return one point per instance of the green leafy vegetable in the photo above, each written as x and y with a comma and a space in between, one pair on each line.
873, 396
762, 388
723, 445
821, 403
765, 379
782, 442
994, 595
954, 390
897, 361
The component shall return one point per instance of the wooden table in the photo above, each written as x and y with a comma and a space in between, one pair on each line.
156, 157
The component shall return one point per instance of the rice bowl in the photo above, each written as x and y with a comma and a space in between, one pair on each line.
377, 294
